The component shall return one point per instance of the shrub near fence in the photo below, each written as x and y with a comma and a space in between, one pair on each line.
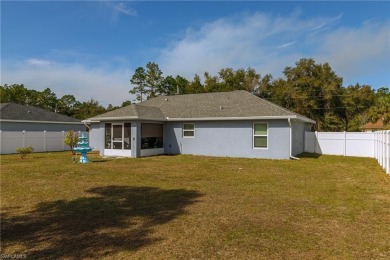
40, 141
375, 145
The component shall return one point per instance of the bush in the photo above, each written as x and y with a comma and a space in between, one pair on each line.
71, 139
23, 151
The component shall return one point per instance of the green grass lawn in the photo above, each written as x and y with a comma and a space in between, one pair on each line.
189, 207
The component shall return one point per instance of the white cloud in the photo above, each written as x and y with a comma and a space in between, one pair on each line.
106, 86
242, 41
269, 43
119, 8
358, 51
287, 44
38, 62
123, 9
327, 23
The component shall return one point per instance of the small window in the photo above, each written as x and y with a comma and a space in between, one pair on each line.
260, 135
188, 130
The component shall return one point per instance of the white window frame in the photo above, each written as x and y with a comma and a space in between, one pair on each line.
118, 141
188, 130
253, 135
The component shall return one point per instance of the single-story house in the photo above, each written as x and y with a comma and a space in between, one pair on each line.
234, 124
22, 125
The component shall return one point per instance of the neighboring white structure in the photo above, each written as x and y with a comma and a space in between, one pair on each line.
22, 126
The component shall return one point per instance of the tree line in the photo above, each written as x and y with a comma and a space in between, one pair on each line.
310, 89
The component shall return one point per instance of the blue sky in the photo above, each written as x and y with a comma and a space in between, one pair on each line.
90, 49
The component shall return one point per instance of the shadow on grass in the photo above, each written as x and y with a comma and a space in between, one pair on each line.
310, 155
119, 218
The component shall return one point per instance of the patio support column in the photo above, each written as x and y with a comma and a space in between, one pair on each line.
135, 139
102, 137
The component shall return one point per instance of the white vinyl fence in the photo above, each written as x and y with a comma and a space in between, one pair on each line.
40, 141
382, 149
375, 145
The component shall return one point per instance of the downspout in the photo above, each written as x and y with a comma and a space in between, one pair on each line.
290, 125
85, 123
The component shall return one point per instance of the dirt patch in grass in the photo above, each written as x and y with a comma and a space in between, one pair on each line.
194, 207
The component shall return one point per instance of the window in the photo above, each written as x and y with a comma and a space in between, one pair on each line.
107, 136
117, 136
188, 130
260, 135
151, 136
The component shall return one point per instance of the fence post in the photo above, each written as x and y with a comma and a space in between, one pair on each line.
24, 138
63, 140
380, 148
345, 144
374, 145
388, 151
44, 140
316, 141
383, 148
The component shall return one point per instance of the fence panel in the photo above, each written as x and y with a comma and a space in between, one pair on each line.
310, 142
331, 143
55, 141
40, 141
10, 141
360, 144
374, 145
35, 140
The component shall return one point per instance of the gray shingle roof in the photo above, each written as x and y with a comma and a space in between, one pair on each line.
133, 111
235, 104
12, 111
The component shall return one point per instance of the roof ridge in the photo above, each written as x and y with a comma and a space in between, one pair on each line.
202, 93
